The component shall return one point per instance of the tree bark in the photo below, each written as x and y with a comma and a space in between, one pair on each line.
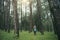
16, 19
21, 17
31, 23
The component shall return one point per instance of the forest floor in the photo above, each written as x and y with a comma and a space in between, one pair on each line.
25, 35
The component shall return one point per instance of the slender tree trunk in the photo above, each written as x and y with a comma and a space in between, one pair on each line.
8, 16
16, 19
31, 24
3, 13
21, 17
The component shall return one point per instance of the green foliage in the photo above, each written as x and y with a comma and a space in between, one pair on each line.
25, 35
25, 24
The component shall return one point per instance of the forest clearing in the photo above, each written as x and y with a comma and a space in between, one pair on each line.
29, 19
25, 35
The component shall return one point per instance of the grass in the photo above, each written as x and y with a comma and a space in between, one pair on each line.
25, 35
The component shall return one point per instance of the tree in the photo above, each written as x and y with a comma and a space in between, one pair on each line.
1, 14
55, 10
16, 19
31, 21
7, 14
21, 17
39, 22
8, 19
52, 12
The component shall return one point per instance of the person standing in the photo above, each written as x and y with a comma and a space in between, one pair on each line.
34, 28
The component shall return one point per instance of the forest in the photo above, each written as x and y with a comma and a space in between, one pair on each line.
29, 19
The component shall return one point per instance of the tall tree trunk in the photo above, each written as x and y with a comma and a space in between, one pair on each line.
8, 19
3, 13
16, 19
39, 17
31, 23
21, 17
